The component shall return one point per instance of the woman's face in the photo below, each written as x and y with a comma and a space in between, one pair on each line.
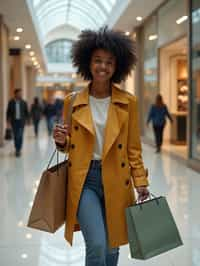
102, 66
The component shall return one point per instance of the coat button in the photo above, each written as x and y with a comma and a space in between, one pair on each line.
123, 165
120, 146
127, 182
72, 146
69, 164
76, 127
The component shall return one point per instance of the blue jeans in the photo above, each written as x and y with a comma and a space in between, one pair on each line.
91, 217
18, 132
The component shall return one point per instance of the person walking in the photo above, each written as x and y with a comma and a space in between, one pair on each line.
103, 143
17, 114
50, 114
157, 114
36, 113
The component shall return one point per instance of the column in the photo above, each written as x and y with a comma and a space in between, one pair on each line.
18, 71
31, 83
4, 78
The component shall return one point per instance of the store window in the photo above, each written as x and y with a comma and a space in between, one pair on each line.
59, 51
150, 67
195, 64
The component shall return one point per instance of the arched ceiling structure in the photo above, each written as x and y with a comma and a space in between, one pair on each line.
80, 14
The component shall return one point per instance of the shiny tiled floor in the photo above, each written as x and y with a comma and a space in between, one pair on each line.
20, 245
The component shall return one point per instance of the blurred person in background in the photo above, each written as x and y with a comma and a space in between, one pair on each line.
50, 114
157, 114
17, 114
36, 114
59, 110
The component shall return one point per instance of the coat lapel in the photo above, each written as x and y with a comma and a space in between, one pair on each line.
117, 115
82, 113
115, 120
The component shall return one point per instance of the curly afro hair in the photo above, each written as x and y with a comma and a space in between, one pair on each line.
115, 42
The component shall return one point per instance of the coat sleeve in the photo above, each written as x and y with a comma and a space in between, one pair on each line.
65, 148
138, 173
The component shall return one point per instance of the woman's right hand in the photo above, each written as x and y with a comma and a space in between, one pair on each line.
59, 134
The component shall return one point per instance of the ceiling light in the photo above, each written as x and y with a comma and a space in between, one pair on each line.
181, 19
153, 37
32, 53
28, 236
139, 18
33, 58
19, 30
127, 33
35, 63
16, 38
28, 46
24, 256
20, 224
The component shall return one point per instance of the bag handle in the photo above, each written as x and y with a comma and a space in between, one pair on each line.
68, 120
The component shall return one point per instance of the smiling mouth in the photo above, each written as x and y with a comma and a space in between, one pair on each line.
102, 73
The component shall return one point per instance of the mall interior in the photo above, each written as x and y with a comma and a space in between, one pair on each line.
36, 37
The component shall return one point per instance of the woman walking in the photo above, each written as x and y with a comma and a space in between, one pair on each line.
157, 115
104, 146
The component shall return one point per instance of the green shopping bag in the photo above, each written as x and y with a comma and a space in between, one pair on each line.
151, 229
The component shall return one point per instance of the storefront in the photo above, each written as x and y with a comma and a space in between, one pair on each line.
164, 67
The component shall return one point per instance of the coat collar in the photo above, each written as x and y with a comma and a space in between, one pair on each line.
117, 96
117, 115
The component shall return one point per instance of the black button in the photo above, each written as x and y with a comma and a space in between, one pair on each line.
72, 146
120, 146
70, 164
76, 127
123, 164
127, 182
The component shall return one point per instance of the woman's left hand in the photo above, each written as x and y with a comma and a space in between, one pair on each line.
143, 193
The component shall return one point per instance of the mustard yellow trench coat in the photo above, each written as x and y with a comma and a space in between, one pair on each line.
121, 160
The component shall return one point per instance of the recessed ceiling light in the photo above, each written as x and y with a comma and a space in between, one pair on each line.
28, 236
33, 58
28, 46
153, 37
139, 18
32, 53
19, 30
181, 19
16, 38
24, 256
35, 63
127, 33
20, 224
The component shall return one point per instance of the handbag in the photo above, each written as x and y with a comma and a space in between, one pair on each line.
48, 212
151, 229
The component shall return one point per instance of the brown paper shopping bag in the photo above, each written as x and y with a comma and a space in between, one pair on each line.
49, 208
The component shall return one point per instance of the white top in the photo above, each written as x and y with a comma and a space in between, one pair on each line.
99, 108
17, 110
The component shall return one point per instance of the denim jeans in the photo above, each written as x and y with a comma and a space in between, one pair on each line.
18, 132
91, 217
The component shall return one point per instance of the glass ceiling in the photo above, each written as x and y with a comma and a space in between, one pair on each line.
80, 14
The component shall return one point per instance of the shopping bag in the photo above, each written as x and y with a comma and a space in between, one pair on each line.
151, 229
48, 212
8, 134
